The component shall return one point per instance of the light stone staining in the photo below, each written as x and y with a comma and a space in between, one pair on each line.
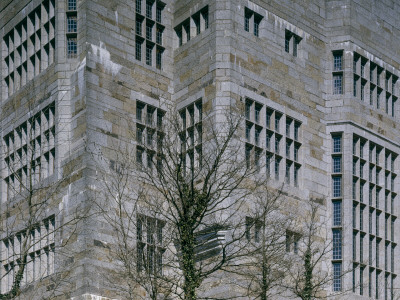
320, 89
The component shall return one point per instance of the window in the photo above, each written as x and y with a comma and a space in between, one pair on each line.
287, 41
268, 140
138, 49
252, 18
277, 119
362, 91
257, 113
296, 175
253, 230
277, 140
337, 213
149, 31
159, 10
337, 276
362, 280
248, 109
354, 215
337, 243
248, 132
205, 17
288, 125
361, 218
337, 164
292, 242
287, 173
71, 24
337, 143
337, 72
257, 136
277, 162
159, 53
71, 4
371, 241
149, 9
292, 42
72, 48
337, 186
150, 244
296, 131
296, 152
139, 6
149, 49
377, 254
337, 61
268, 118
288, 143
139, 22
354, 246
257, 21
355, 86
268, 164
337, 84
247, 16
159, 33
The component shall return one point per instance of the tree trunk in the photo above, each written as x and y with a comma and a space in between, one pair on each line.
191, 280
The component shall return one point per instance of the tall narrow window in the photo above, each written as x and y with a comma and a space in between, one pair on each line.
337, 276
257, 21
247, 16
337, 186
337, 243
71, 24
337, 144
337, 72
149, 9
139, 6
149, 51
159, 58
337, 213
72, 47
138, 49
288, 36
71, 4
337, 61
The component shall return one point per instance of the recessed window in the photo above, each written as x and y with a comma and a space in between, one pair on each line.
149, 49
337, 164
292, 42
139, 6
71, 24
252, 19
71, 4
337, 213
337, 143
337, 243
138, 49
149, 9
337, 186
72, 47
338, 84
159, 53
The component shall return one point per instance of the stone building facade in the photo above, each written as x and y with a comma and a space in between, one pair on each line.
319, 80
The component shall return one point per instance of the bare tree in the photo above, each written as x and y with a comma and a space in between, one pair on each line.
308, 274
260, 271
195, 182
